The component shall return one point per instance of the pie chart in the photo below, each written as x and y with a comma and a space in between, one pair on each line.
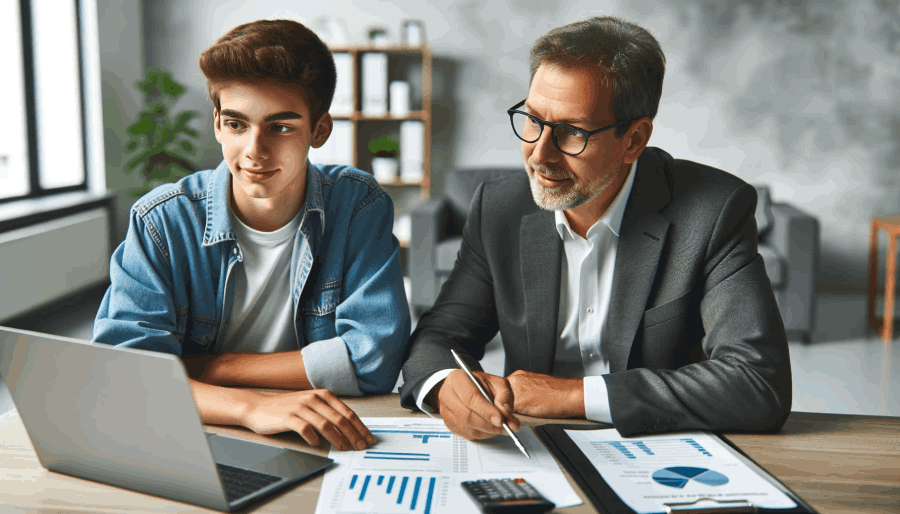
679, 476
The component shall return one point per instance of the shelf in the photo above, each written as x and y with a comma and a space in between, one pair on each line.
358, 116
362, 126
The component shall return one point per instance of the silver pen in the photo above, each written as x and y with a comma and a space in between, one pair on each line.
465, 368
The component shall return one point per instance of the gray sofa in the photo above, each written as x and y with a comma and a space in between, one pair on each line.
789, 245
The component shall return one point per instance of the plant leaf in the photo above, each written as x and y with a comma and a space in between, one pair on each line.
187, 146
143, 126
170, 87
137, 160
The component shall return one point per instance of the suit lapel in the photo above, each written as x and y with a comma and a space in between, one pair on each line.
541, 251
641, 240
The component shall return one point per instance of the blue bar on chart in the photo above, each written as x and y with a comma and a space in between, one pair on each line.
396, 455
622, 448
643, 446
417, 434
362, 494
378, 495
696, 445
424, 437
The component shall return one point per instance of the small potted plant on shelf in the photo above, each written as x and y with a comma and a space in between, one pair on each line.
378, 35
385, 150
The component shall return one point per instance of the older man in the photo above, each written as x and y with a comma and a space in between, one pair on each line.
626, 284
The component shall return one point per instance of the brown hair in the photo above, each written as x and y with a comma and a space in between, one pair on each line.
624, 52
283, 51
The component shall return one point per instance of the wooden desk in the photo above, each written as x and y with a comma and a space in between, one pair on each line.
837, 463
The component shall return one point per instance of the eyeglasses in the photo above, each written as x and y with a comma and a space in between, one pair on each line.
568, 139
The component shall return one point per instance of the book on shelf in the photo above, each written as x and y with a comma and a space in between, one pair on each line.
374, 84
342, 103
412, 151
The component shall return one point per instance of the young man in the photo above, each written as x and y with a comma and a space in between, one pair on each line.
626, 284
267, 271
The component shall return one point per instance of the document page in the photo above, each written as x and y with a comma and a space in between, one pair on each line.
649, 471
416, 465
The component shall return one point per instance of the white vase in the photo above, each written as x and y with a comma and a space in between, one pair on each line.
385, 168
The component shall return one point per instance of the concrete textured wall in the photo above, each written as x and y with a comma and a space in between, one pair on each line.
794, 94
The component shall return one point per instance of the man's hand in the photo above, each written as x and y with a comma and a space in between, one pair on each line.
546, 396
467, 413
310, 414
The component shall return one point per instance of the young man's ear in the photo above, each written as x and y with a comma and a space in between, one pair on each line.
322, 130
216, 125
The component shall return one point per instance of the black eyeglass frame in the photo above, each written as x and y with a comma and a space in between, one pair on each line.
585, 133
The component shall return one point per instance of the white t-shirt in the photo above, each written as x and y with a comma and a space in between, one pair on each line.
262, 314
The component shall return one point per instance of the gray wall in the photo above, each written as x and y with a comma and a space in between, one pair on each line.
122, 64
798, 97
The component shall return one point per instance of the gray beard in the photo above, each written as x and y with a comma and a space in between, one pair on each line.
555, 198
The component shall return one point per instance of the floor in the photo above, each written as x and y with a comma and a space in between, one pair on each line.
845, 369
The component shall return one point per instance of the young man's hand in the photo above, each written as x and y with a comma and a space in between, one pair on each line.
466, 412
546, 396
310, 414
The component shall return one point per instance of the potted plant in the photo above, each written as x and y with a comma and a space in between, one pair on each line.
378, 35
160, 145
385, 150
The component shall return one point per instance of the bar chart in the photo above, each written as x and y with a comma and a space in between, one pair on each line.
393, 493
415, 466
410, 449
684, 448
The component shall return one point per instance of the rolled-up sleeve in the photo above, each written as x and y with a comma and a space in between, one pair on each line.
373, 321
328, 366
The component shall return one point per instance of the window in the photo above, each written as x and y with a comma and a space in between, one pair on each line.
42, 137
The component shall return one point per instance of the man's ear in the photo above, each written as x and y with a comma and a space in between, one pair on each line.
636, 139
217, 127
322, 131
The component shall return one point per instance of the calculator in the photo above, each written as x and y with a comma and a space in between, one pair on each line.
507, 495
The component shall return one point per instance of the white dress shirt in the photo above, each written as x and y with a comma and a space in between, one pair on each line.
581, 347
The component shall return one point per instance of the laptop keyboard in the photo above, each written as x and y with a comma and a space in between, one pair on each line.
239, 482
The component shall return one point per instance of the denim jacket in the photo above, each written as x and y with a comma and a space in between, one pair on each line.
172, 282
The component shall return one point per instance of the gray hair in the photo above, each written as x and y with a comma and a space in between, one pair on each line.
624, 52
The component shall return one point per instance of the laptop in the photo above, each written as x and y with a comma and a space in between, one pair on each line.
127, 418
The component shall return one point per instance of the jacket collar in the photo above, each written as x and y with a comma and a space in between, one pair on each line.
642, 236
218, 202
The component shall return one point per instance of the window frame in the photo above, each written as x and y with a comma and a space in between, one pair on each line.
29, 80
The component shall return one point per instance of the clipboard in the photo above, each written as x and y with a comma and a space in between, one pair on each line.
606, 501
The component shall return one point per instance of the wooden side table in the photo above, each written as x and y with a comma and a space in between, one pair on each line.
891, 225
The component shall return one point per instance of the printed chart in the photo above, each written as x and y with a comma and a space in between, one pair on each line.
416, 465
681, 448
679, 476
648, 472
392, 493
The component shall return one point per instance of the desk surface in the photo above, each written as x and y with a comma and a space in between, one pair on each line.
837, 463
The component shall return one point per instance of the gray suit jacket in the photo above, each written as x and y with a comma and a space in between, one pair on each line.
697, 339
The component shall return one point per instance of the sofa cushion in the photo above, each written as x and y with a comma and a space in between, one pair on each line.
445, 254
764, 217
775, 266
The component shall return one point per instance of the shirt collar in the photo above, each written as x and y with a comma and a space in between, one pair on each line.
612, 218
218, 203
